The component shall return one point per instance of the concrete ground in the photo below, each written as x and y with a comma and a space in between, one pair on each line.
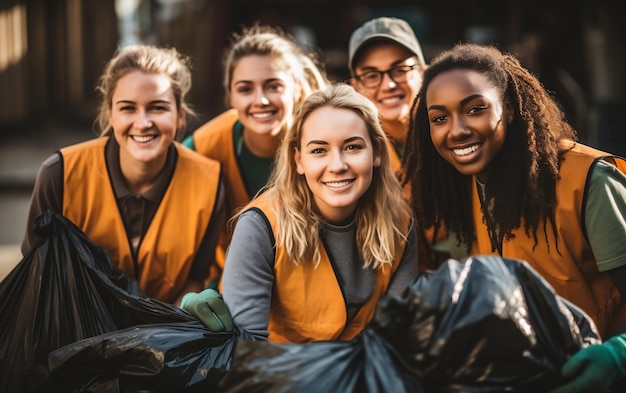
21, 154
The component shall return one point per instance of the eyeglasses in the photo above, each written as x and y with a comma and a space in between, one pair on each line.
373, 79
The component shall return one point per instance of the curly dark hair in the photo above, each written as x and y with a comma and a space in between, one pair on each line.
522, 180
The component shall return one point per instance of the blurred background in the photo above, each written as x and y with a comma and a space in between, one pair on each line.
53, 51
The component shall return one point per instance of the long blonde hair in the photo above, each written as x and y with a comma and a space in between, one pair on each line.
378, 236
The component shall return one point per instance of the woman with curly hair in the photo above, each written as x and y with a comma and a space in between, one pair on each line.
493, 160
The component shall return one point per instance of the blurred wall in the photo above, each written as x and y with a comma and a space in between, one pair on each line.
52, 51
57, 52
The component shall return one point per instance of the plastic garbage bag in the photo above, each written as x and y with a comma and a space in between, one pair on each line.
174, 357
484, 324
65, 290
365, 364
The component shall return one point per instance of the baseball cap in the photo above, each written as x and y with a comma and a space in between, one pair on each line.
386, 28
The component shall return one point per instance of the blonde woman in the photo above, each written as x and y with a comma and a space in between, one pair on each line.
311, 256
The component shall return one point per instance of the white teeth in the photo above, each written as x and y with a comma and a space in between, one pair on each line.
390, 100
466, 151
264, 115
338, 184
143, 139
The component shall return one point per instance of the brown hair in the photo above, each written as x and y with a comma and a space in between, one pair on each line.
263, 40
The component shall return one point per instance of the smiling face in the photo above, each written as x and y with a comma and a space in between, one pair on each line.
144, 118
392, 99
336, 158
263, 92
468, 120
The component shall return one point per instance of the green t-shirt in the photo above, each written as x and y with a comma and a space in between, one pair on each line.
605, 215
255, 170
188, 141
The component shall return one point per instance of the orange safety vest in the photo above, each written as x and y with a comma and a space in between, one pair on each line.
572, 270
169, 246
214, 139
307, 302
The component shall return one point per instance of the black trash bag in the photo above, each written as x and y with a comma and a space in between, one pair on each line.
485, 324
365, 364
65, 290
174, 357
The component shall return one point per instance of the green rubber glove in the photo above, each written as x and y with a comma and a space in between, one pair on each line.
595, 368
209, 308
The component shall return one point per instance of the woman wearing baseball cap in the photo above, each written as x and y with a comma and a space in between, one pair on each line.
386, 64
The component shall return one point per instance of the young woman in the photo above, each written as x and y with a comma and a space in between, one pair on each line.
156, 207
386, 63
492, 158
266, 76
311, 256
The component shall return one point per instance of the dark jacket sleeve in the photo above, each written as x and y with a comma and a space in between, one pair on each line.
47, 194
